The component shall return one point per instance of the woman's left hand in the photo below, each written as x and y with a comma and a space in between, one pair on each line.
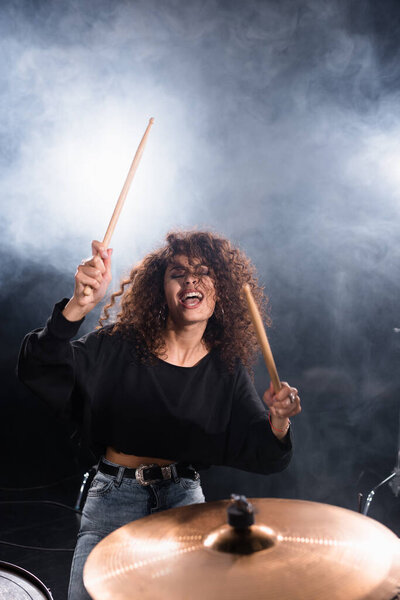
282, 406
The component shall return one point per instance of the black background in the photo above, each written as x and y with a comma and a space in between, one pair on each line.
284, 99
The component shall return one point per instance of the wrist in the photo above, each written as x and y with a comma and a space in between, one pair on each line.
279, 426
73, 312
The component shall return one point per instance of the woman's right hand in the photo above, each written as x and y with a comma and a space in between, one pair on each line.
94, 272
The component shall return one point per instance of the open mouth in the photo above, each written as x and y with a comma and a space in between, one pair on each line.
190, 298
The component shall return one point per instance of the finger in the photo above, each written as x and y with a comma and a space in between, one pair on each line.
83, 279
285, 391
92, 272
285, 413
286, 387
288, 403
98, 262
268, 397
292, 413
107, 261
99, 248
270, 390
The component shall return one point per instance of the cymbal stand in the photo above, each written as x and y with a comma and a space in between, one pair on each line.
371, 494
393, 478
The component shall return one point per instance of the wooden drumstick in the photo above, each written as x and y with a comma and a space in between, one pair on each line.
262, 338
124, 192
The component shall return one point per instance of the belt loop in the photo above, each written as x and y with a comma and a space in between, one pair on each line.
174, 474
120, 476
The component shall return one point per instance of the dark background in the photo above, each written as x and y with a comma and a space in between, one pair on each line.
277, 124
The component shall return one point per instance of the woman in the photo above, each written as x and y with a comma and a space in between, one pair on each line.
168, 379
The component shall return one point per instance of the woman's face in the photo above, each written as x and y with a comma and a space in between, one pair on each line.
189, 291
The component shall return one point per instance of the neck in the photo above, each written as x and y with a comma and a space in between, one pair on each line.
184, 343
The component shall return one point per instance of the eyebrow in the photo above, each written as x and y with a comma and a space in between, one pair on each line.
178, 266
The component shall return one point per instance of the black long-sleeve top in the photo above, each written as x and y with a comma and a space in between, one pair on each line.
201, 415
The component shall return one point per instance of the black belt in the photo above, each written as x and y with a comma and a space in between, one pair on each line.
147, 474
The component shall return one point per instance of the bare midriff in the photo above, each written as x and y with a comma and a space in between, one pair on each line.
132, 461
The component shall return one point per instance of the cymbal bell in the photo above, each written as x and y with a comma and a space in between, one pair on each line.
303, 551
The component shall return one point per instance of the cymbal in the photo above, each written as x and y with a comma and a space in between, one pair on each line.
308, 551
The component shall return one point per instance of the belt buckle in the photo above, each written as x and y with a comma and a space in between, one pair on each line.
170, 472
166, 472
140, 477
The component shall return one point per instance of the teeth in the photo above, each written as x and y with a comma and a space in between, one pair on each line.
191, 295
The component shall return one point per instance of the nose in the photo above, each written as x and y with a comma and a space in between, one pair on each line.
190, 278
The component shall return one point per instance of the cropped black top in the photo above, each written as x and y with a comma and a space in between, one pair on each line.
202, 415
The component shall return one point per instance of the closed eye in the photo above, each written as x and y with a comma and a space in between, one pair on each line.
176, 273
200, 271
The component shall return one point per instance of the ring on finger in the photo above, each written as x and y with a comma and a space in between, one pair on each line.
292, 397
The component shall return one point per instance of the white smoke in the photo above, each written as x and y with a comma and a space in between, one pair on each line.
276, 123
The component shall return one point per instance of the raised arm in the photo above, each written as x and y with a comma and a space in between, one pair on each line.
49, 363
92, 279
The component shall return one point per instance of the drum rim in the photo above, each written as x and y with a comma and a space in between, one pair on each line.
28, 575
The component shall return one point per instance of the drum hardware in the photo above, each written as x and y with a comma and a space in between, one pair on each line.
393, 480
83, 490
240, 535
16, 582
371, 494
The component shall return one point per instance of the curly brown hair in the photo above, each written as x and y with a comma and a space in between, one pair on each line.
143, 309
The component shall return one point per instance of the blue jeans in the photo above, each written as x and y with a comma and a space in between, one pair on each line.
114, 501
